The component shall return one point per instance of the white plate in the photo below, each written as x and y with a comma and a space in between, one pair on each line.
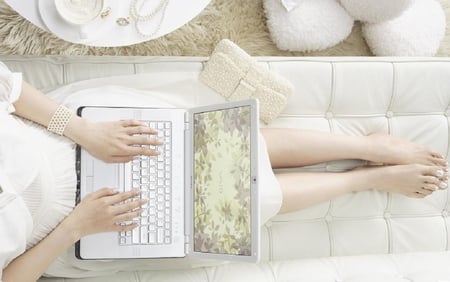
76, 33
43, 14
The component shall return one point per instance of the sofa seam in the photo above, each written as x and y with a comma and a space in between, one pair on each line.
331, 127
446, 206
136, 276
270, 238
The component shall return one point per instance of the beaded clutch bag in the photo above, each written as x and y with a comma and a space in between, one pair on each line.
234, 74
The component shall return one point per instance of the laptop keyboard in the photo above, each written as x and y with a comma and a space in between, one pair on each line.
152, 175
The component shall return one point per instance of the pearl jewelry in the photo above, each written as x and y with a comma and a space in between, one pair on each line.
141, 18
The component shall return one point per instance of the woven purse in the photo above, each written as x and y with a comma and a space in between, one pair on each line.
234, 74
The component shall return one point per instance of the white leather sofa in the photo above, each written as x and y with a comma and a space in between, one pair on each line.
367, 236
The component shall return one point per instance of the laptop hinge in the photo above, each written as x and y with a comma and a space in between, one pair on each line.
186, 121
186, 244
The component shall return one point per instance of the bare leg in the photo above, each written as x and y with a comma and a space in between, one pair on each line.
296, 147
304, 189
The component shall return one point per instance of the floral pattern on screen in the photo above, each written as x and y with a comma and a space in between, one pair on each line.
222, 182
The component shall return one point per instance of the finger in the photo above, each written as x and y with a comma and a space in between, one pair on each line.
138, 150
124, 217
140, 129
124, 227
120, 159
120, 197
104, 192
144, 140
127, 207
131, 122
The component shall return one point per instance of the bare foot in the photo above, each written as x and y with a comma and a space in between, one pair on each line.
413, 180
388, 149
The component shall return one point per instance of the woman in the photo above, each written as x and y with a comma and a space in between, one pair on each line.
36, 202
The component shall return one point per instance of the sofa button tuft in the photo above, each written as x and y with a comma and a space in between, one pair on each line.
329, 115
389, 114
387, 215
445, 213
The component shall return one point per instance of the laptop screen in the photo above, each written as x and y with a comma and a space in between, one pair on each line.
222, 181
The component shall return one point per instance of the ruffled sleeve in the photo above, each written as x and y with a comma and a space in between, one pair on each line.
16, 223
10, 88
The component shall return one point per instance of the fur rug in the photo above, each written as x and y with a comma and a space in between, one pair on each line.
244, 25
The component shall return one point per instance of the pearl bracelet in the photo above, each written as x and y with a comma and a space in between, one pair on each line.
59, 120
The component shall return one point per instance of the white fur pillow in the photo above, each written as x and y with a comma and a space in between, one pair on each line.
376, 11
312, 25
417, 32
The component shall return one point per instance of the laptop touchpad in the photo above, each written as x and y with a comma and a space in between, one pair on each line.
105, 175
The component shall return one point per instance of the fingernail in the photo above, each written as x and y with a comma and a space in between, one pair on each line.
442, 185
439, 173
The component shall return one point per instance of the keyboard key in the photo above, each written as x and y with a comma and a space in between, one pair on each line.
136, 236
144, 235
160, 235
152, 237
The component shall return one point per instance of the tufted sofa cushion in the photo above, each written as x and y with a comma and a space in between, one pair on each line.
365, 236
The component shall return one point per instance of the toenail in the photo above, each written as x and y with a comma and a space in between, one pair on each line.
442, 185
439, 173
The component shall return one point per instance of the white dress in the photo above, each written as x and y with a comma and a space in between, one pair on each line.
36, 176
43, 170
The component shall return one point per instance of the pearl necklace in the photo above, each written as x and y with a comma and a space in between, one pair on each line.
138, 18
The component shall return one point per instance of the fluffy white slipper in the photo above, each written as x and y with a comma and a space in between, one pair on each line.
376, 11
417, 32
312, 25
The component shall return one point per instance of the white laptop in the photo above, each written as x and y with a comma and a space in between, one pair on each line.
202, 188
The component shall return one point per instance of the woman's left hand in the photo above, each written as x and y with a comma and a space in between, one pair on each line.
113, 141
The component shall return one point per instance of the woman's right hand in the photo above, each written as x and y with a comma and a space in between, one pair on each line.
105, 210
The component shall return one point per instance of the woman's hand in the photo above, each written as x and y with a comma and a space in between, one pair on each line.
103, 211
115, 141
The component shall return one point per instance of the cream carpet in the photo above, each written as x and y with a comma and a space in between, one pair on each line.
242, 21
